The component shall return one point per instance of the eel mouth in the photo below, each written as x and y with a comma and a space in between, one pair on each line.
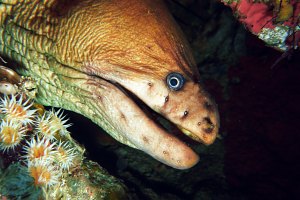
169, 127
137, 125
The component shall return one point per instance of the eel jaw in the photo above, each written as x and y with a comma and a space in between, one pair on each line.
202, 121
134, 128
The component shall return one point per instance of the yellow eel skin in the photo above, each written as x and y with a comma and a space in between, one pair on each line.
92, 56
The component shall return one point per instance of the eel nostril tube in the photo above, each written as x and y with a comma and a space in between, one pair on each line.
208, 126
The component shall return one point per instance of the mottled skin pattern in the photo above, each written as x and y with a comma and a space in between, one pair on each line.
83, 55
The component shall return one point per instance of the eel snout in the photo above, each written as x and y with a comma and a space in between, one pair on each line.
190, 109
193, 111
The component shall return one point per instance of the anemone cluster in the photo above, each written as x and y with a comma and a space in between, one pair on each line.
40, 136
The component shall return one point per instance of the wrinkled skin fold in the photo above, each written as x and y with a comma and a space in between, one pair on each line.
85, 54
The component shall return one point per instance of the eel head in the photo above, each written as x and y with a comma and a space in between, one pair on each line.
131, 50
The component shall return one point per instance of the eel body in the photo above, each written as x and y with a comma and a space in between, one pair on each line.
93, 56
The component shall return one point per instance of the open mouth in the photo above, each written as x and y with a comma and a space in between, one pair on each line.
182, 134
150, 132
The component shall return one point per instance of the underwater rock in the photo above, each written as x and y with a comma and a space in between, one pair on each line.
88, 181
40, 160
276, 22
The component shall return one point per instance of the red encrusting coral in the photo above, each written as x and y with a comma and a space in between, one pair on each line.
255, 15
258, 15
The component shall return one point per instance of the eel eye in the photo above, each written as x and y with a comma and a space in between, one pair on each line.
175, 81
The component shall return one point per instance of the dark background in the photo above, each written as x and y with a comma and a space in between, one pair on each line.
258, 154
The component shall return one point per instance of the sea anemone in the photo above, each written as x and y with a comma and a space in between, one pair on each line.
39, 149
65, 155
43, 173
10, 134
59, 122
45, 128
17, 110
46, 158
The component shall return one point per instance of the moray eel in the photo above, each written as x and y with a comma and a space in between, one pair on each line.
95, 57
